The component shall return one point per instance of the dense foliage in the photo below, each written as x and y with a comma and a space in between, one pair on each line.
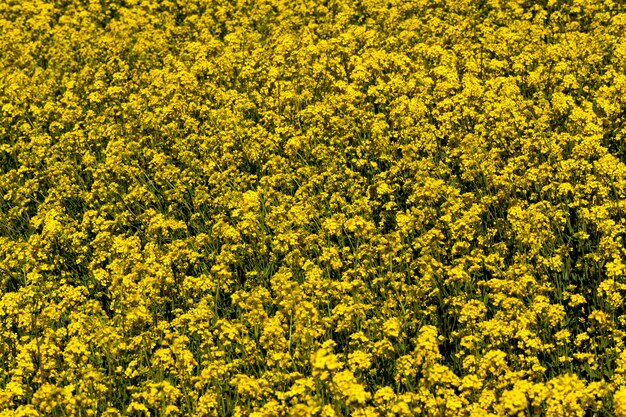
331, 207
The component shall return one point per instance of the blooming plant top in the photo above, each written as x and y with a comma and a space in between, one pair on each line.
312, 208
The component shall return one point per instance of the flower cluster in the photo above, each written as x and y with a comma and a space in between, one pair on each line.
312, 208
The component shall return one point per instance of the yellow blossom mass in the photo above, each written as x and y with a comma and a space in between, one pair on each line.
259, 208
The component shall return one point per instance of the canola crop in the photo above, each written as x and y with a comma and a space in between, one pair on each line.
312, 208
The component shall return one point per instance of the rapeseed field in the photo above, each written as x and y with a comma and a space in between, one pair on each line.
263, 208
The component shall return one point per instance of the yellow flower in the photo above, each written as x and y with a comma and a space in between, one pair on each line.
619, 402
392, 327
349, 388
